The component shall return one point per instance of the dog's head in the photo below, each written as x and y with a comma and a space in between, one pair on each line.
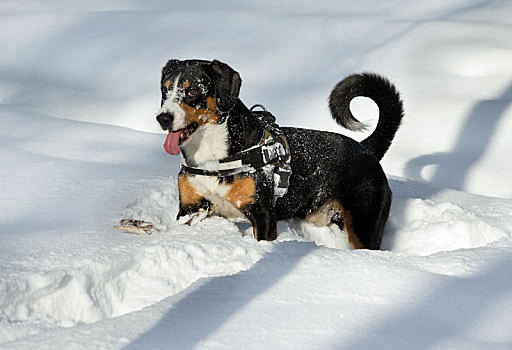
194, 94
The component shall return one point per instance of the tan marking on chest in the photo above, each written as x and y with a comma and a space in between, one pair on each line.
242, 192
188, 193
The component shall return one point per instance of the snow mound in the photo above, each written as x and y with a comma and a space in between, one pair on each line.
135, 276
159, 206
424, 227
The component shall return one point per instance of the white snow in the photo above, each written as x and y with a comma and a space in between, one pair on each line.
80, 149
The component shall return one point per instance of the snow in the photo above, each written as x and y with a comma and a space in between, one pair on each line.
80, 149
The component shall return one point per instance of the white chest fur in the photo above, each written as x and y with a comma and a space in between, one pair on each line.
209, 142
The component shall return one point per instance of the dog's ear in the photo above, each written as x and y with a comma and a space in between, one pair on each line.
227, 85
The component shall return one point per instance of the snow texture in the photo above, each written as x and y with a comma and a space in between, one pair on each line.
80, 149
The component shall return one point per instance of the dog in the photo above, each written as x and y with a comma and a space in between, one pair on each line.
243, 166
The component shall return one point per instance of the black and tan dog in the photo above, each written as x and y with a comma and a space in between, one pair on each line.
332, 178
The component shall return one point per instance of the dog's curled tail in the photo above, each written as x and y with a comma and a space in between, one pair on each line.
383, 93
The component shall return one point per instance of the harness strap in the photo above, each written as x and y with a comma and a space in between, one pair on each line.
217, 173
272, 151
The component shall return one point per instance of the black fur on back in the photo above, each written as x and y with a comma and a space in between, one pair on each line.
383, 93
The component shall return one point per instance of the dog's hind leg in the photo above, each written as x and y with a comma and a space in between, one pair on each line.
364, 219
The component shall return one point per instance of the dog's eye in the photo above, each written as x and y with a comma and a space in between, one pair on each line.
191, 92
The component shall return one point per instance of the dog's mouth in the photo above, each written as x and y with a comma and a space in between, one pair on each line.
177, 138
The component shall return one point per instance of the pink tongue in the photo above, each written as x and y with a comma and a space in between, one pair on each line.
171, 143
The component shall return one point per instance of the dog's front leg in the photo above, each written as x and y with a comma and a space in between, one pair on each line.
261, 212
253, 195
190, 201
263, 220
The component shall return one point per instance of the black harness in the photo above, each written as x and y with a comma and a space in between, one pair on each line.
271, 154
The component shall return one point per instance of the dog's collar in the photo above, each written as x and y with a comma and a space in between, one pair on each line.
271, 154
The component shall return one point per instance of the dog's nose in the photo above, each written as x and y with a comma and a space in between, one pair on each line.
165, 120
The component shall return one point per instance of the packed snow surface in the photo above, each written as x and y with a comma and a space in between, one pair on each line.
80, 149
